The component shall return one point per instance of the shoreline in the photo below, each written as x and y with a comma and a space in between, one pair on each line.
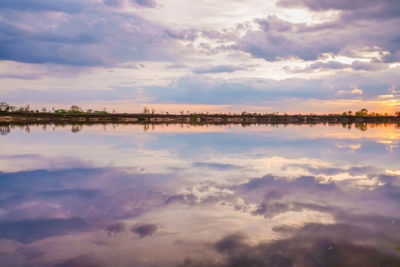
47, 118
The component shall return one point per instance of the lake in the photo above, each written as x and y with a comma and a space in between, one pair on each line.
212, 195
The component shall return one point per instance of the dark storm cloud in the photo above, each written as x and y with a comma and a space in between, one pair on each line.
144, 230
27, 231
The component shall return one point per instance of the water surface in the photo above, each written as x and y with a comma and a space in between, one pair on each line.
134, 195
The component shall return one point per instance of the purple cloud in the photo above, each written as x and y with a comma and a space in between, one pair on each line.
218, 69
65, 6
144, 230
145, 3
84, 39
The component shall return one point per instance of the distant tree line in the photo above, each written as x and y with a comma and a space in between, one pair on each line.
76, 110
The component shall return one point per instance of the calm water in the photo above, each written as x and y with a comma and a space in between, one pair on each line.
200, 196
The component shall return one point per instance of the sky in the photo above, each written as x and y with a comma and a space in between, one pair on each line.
200, 55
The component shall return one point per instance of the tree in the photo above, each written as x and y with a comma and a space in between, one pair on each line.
4, 107
76, 109
4, 130
362, 113
397, 113
76, 128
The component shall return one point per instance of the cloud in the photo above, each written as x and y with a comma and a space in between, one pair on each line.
145, 3
335, 65
353, 171
115, 228
144, 230
138, 3
85, 40
276, 39
326, 4
28, 231
253, 91
384, 8
215, 166
355, 91
311, 245
218, 69
230, 242
240, 91
79, 193
66, 6
188, 199
83, 260
74, 190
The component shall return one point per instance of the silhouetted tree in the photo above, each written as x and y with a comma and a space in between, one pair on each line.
362, 113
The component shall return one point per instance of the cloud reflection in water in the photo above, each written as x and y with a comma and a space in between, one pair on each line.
243, 198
